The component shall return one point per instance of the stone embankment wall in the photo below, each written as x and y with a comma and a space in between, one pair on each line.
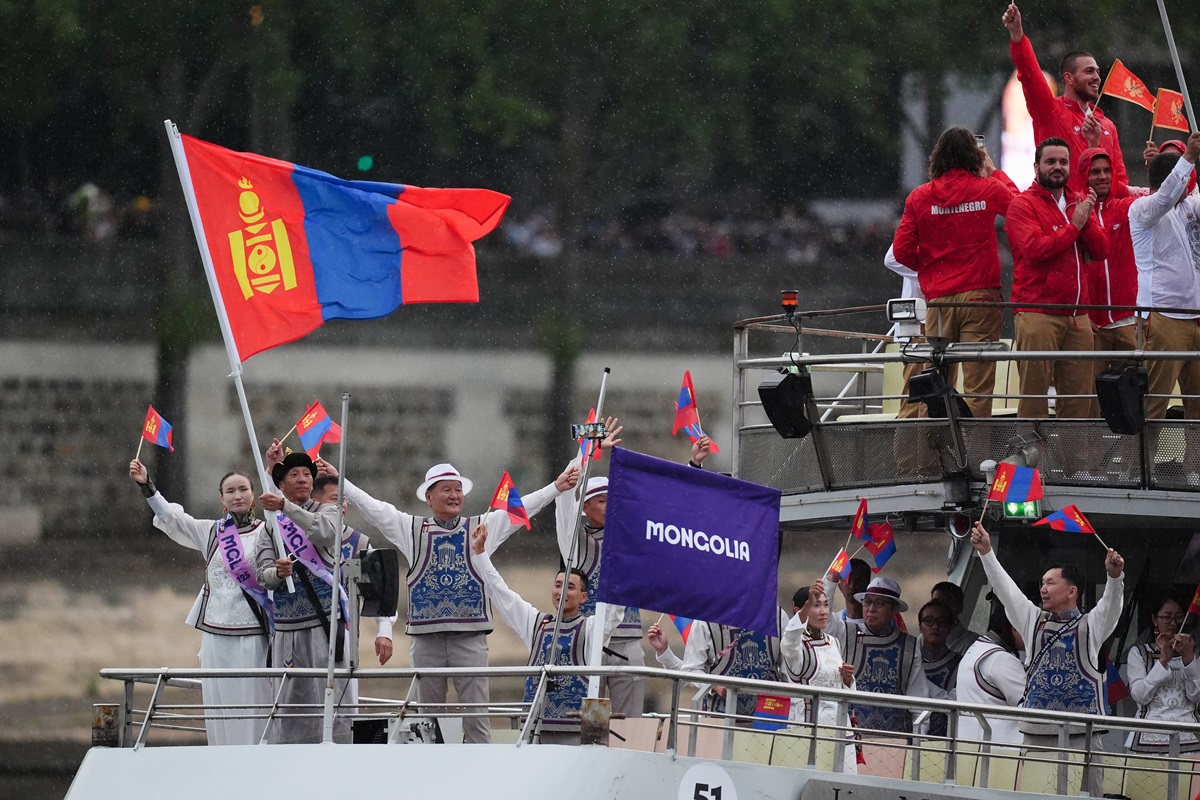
71, 415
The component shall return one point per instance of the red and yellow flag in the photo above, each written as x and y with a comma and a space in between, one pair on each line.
1168, 111
1124, 84
858, 528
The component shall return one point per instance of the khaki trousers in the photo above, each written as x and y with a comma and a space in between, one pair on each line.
1050, 332
1167, 333
970, 325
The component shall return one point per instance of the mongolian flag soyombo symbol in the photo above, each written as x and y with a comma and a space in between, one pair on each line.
1168, 111
292, 247
1125, 85
156, 430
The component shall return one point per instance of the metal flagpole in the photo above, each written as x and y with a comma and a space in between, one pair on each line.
1187, 100
235, 363
595, 648
334, 604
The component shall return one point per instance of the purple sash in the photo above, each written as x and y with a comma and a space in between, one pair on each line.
297, 543
229, 544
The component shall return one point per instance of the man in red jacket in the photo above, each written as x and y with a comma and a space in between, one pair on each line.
1073, 115
1112, 281
947, 235
1045, 225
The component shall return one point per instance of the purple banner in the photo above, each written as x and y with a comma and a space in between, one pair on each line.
692, 543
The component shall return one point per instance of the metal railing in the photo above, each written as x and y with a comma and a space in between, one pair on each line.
803, 742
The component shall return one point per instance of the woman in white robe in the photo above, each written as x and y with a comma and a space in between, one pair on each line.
1164, 680
812, 657
233, 627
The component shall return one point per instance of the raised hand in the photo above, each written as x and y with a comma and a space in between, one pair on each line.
612, 435
980, 539
1012, 21
138, 472
568, 479
1114, 564
1083, 209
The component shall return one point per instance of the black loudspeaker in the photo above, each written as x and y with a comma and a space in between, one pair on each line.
783, 398
380, 584
1121, 391
929, 387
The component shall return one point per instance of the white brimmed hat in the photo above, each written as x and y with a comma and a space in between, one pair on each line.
595, 487
886, 588
442, 472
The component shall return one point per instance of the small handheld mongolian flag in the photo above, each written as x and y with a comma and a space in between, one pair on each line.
1067, 519
1194, 608
590, 447
687, 413
314, 428
157, 430
840, 564
858, 528
683, 625
1015, 484
882, 545
507, 499
1124, 84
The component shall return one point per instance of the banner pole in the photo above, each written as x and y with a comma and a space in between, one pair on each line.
335, 604
1187, 100
595, 648
235, 364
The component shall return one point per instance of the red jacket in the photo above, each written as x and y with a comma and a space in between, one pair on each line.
1111, 281
1058, 116
947, 233
1047, 255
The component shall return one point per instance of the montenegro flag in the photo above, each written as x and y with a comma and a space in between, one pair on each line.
292, 247
1124, 84
1168, 111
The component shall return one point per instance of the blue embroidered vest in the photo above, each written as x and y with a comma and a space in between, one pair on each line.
293, 610
881, 664
565, 695
742, 654
1059, 677
445, 594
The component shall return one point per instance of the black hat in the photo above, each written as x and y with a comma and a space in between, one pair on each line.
290, 461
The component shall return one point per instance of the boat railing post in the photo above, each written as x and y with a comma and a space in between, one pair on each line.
951, 776
815, 704
916, 754
1063, 743
127, 716
741, 349
535, 710
1088, 767
673, 730
845, 739
1175, 771
141, 739
731, 702
394, 734
985, 749
273, 713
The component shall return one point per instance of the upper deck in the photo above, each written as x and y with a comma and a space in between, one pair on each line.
850, 384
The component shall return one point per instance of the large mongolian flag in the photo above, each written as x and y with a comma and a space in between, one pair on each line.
293, 247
